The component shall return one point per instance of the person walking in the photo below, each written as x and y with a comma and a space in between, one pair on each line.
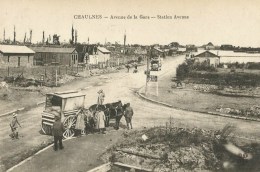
57, 132
128, 67
100, 121
128, 115
14, 126
101, 97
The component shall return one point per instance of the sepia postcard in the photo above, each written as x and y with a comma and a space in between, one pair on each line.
129, 85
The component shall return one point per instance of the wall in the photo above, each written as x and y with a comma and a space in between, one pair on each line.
13, 61
60, 58
93, 59
213, 61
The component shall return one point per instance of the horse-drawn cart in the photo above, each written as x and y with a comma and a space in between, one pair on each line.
68, 106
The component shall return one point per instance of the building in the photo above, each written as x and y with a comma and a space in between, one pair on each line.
101, 57
181, 50
209, 46
82, 50
158, 52
140, 51
191, 48
55, 56
227, 57
16, 56
211, 58
226, 47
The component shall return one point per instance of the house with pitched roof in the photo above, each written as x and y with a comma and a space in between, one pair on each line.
16, 56
211, 58
209, 46
101, 57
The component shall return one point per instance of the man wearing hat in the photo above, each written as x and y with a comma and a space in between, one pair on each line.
14, 126
101, 97
57, 131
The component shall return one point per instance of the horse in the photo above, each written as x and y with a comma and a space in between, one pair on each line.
111, 111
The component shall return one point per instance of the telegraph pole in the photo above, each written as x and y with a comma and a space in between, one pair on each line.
148, 70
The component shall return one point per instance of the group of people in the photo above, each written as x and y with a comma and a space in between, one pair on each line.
128, 112
135, 67
94, 121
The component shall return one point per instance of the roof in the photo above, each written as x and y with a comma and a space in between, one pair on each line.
15, 50
223, 53
157, 49
210, 44
103, 50
207, 54
182, 49
53, 50
68, 94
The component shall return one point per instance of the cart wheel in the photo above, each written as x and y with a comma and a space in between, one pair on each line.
69, 124
68, 133
46, 129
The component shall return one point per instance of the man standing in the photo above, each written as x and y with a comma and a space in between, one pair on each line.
101, 97
57, 131
14, 126
128, 115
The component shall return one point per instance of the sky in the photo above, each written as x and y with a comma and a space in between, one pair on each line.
235, 22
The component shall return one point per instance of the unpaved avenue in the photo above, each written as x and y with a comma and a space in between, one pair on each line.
146, 114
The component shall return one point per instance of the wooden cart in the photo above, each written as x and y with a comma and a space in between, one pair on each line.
67, 105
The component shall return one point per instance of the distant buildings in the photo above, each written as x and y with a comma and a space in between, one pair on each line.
158, 52
226, 47
191, 48
140, 51
16, 56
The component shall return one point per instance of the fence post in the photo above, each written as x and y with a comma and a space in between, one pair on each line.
56, 77
8, 71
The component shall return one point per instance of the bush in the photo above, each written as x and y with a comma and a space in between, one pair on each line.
251, 65
184, 69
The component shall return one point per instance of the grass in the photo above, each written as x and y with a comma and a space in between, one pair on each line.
183, 149
189, 99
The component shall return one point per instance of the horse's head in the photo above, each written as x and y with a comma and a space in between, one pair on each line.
124, 106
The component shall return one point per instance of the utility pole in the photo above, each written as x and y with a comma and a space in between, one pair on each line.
148, 70
14, 35
4, 35
30, 36
124, 41
24, 40
43, 37
72, 35
76, 36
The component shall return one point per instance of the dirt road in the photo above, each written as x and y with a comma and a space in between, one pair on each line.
119, 86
